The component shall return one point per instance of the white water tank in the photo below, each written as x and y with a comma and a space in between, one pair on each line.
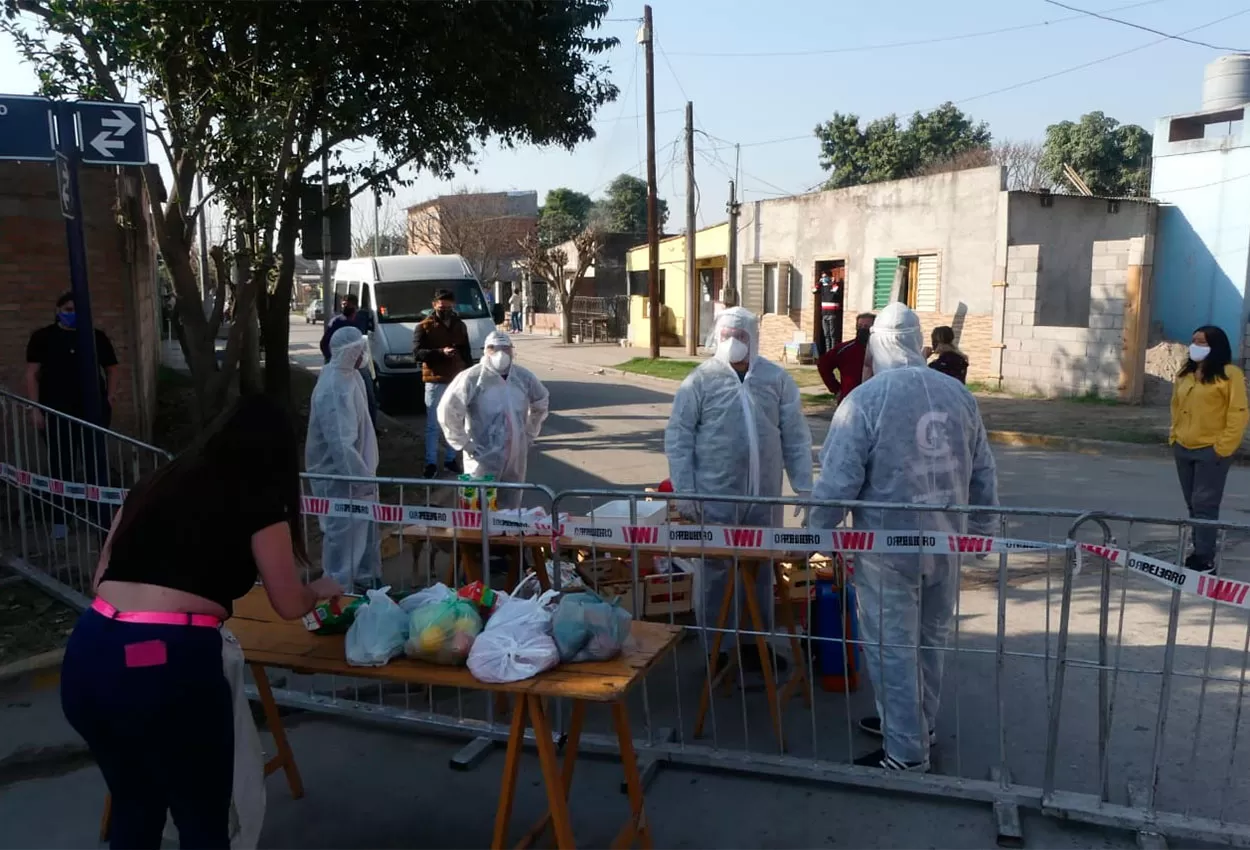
1226, 82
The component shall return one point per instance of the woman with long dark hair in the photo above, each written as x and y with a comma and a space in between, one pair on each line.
142, 678
1209, 419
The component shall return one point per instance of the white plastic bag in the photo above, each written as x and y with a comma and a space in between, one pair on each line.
516, 643
426, 596
378, 633
247, 803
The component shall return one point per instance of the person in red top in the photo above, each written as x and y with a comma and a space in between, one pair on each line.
848, 360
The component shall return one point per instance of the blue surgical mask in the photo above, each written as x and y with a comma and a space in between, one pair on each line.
68, 319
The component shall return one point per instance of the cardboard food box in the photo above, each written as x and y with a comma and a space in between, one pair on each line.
662, 593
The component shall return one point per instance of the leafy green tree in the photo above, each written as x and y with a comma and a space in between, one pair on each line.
1112, 158
564, 214
623, 208
884, 150
250, 95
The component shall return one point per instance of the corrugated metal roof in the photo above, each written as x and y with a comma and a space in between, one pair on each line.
1038, 193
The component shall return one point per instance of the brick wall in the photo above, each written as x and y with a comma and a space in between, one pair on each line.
34, 270
1059, 361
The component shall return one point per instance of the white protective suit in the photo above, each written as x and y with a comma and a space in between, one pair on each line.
341, 441
909, 435
494, 418
732, 435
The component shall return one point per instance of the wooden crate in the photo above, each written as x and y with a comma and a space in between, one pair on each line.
662, 593
798, 579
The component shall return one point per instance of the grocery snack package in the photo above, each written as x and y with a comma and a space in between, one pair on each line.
333, 616
471, 493
443, 632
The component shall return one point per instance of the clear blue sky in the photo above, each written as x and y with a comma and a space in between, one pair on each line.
769, 82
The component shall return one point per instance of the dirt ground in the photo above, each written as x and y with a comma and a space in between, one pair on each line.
31, 622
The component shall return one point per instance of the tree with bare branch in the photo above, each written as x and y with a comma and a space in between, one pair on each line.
475, 225
563, 270
1022, 159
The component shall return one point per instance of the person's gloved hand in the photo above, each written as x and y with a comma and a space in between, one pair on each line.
802, 510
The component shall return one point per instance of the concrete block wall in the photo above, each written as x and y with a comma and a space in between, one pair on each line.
1058, 361
121, 265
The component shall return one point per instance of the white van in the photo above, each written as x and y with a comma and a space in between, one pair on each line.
399, 292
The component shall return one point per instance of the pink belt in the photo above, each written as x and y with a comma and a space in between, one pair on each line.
155, 618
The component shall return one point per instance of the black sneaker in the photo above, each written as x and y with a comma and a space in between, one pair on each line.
453, 466
872, 726
881, 759
1198, 564
431, 471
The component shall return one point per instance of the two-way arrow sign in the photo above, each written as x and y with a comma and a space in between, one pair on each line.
112, 133
112, 137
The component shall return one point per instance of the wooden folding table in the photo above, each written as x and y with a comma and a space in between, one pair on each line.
269, 641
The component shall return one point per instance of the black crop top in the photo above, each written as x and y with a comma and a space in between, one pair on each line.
198, 541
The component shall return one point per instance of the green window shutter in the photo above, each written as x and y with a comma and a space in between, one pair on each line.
884, 270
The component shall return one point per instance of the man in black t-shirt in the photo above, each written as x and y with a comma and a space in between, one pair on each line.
54, 379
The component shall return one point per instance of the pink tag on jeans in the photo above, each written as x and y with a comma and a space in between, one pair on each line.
149, 653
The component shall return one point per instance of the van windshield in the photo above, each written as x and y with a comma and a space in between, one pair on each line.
413, 300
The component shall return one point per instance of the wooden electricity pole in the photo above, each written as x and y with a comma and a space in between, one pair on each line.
647, 36
693, 301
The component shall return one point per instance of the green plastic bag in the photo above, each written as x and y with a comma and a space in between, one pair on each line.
443, 632
333, 616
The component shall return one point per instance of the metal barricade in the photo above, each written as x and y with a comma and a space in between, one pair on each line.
64, 479
1146, 715
999, 654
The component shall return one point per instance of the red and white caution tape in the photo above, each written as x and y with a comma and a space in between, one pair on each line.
582, 531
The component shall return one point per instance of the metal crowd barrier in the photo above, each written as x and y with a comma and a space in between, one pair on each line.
1086, 675
65, 479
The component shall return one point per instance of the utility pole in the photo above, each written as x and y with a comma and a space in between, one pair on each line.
733, 207
693, 301
326, 287
647, 37
377, 237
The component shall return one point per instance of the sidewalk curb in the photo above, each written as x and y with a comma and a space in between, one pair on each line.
1077, 445
37, 667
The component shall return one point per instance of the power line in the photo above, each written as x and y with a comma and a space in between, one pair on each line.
1103, 17
1023, 83
1099, 61
910, 43
640, 115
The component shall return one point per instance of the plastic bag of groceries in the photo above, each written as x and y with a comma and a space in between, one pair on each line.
425, 596
516, 643
379, 631
586, 628
443, 632
529, 587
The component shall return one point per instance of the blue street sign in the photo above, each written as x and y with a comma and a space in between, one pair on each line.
112, 133
25, 128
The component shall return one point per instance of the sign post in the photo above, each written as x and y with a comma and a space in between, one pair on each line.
36, 129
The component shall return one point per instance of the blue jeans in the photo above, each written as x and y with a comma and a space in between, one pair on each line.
433, 433
155, 709
516, 321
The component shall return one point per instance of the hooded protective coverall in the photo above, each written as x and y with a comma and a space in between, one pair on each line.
910, 435
731, 434
494, 418
341, 441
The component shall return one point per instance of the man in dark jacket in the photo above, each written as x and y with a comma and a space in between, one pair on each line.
441, 345
848, 360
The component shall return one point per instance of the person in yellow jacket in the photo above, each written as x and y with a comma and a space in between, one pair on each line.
1209, 418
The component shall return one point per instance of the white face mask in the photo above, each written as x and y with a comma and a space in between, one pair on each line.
1198, 353
499, 360
731, 350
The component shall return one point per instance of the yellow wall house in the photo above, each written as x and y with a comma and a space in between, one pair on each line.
711, 250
